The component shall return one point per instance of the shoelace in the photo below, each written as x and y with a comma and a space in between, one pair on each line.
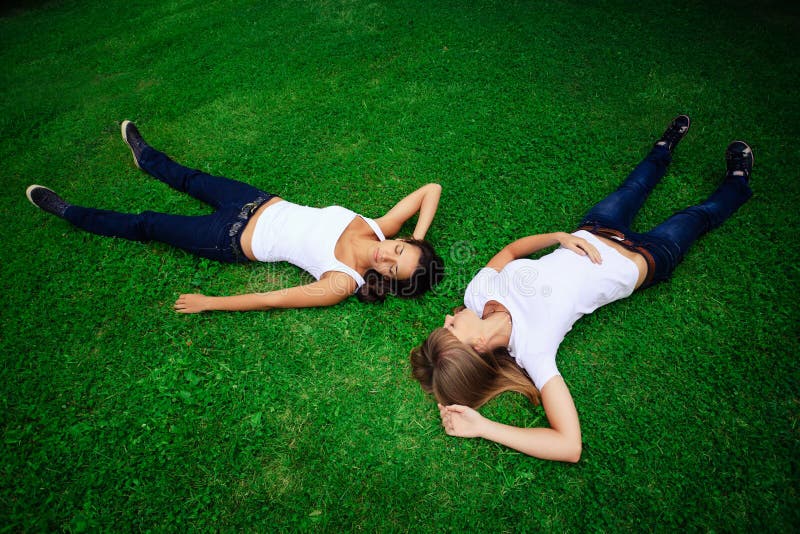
674, 134
738, 162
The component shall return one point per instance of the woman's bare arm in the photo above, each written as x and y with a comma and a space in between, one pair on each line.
526, 246
331, 289
561, 442
424, 201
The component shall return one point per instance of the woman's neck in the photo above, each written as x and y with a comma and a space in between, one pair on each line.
497, 329
355, 246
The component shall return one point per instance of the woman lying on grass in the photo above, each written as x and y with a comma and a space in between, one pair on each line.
345, 252
518, 310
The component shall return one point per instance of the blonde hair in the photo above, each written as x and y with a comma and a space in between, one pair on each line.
457, 374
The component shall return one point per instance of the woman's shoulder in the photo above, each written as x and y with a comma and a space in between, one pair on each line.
364, 227
481, 288
342, 282
535, 353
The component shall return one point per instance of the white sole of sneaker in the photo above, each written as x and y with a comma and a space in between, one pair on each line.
31, 188
122, 128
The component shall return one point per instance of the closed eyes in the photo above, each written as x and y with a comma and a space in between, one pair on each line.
398, 249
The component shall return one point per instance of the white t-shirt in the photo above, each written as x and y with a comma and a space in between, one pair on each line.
546, 296
306, 237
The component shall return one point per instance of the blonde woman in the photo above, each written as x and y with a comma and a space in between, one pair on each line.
518, 310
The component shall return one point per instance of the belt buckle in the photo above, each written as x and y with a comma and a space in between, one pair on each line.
254, 205
247, 210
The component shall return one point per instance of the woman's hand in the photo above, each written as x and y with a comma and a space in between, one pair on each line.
461, 421
191, 303
579, 246
562, 441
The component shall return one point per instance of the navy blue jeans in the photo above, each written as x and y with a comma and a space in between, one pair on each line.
667, 243
215, 236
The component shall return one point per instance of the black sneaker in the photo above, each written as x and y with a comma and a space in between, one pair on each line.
675, 132
739, 159
131, 135
46, 199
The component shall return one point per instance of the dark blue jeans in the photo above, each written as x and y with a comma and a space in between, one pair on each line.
667, 243
215, 236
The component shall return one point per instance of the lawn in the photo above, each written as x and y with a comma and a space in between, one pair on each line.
119, 414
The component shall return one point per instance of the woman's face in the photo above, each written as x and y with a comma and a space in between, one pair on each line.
395, 259
465, 325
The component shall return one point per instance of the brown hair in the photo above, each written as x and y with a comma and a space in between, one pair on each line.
429, 272
457, 374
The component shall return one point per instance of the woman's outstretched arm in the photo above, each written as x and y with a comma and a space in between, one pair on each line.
561, 442
424, 201
330, 290
533, 243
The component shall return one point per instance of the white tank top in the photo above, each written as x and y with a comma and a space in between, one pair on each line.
305, 237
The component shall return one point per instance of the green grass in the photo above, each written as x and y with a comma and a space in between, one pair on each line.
119, 414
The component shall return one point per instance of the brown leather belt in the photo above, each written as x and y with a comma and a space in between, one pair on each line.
619, 237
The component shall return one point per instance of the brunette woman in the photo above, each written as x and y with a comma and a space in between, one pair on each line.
345, 252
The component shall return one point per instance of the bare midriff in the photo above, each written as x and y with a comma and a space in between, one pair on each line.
635, 257
246, 240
